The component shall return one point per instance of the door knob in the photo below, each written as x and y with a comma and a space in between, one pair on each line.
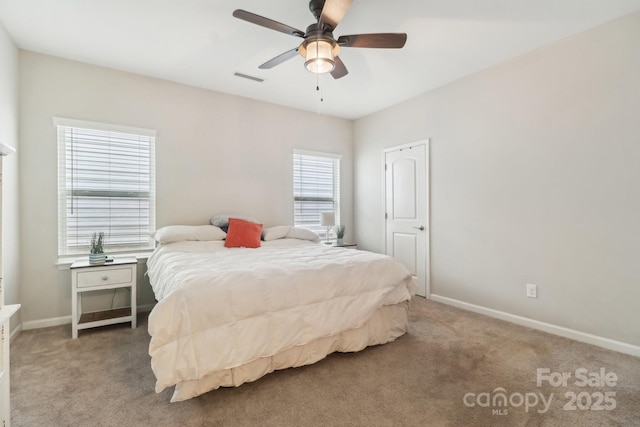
421, 228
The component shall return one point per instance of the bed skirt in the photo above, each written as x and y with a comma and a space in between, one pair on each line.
388, 323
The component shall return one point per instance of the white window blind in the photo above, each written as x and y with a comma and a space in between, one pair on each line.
316, 189
106, 183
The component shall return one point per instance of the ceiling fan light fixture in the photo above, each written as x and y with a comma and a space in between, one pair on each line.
319, 48
319, 54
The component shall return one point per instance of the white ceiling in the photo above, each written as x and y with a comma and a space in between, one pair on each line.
200, 43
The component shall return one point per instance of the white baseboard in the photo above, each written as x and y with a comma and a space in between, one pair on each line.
14, 334
46, 323
607, 343
65, 320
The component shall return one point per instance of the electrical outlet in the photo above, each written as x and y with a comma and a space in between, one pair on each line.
532, 291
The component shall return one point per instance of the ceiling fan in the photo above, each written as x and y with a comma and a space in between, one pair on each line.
319, 48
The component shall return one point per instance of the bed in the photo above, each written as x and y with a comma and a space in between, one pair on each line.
226, 316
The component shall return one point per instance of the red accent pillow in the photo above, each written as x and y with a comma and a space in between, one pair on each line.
243, 234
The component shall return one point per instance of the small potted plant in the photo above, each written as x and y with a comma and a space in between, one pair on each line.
96, 254
340, 233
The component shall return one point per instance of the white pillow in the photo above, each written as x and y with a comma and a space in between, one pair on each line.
302, 234
223, 220
180, 233
274, 233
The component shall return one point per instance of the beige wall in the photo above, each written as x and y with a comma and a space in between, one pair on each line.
9, 135
535, 167
215, 153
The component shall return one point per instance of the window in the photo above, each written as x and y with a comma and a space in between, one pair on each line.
316, 189
106, 183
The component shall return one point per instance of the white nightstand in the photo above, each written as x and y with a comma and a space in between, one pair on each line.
85, 277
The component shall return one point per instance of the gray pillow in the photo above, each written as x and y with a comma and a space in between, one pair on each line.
223, 220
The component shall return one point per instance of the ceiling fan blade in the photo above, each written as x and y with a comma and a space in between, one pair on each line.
333, 12
267, 23
280, 59
340, 70
378, 40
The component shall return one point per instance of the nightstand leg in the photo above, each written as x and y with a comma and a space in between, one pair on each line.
74, 314
134, 310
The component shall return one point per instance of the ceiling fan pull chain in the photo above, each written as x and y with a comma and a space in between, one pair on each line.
318, 88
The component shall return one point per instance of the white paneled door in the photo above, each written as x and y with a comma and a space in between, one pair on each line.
406, 209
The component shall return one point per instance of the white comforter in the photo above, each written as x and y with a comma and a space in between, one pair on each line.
220, 308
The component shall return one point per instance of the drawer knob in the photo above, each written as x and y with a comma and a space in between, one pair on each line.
105, 277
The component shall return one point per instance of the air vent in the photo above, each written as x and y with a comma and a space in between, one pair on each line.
244, 76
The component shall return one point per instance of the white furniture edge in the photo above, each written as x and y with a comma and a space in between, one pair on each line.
607, 343
7, 311
5, 149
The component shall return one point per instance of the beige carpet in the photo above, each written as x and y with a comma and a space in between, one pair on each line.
449, 357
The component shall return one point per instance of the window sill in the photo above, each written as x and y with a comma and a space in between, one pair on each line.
65, 262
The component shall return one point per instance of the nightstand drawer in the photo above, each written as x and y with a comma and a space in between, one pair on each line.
111, 276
